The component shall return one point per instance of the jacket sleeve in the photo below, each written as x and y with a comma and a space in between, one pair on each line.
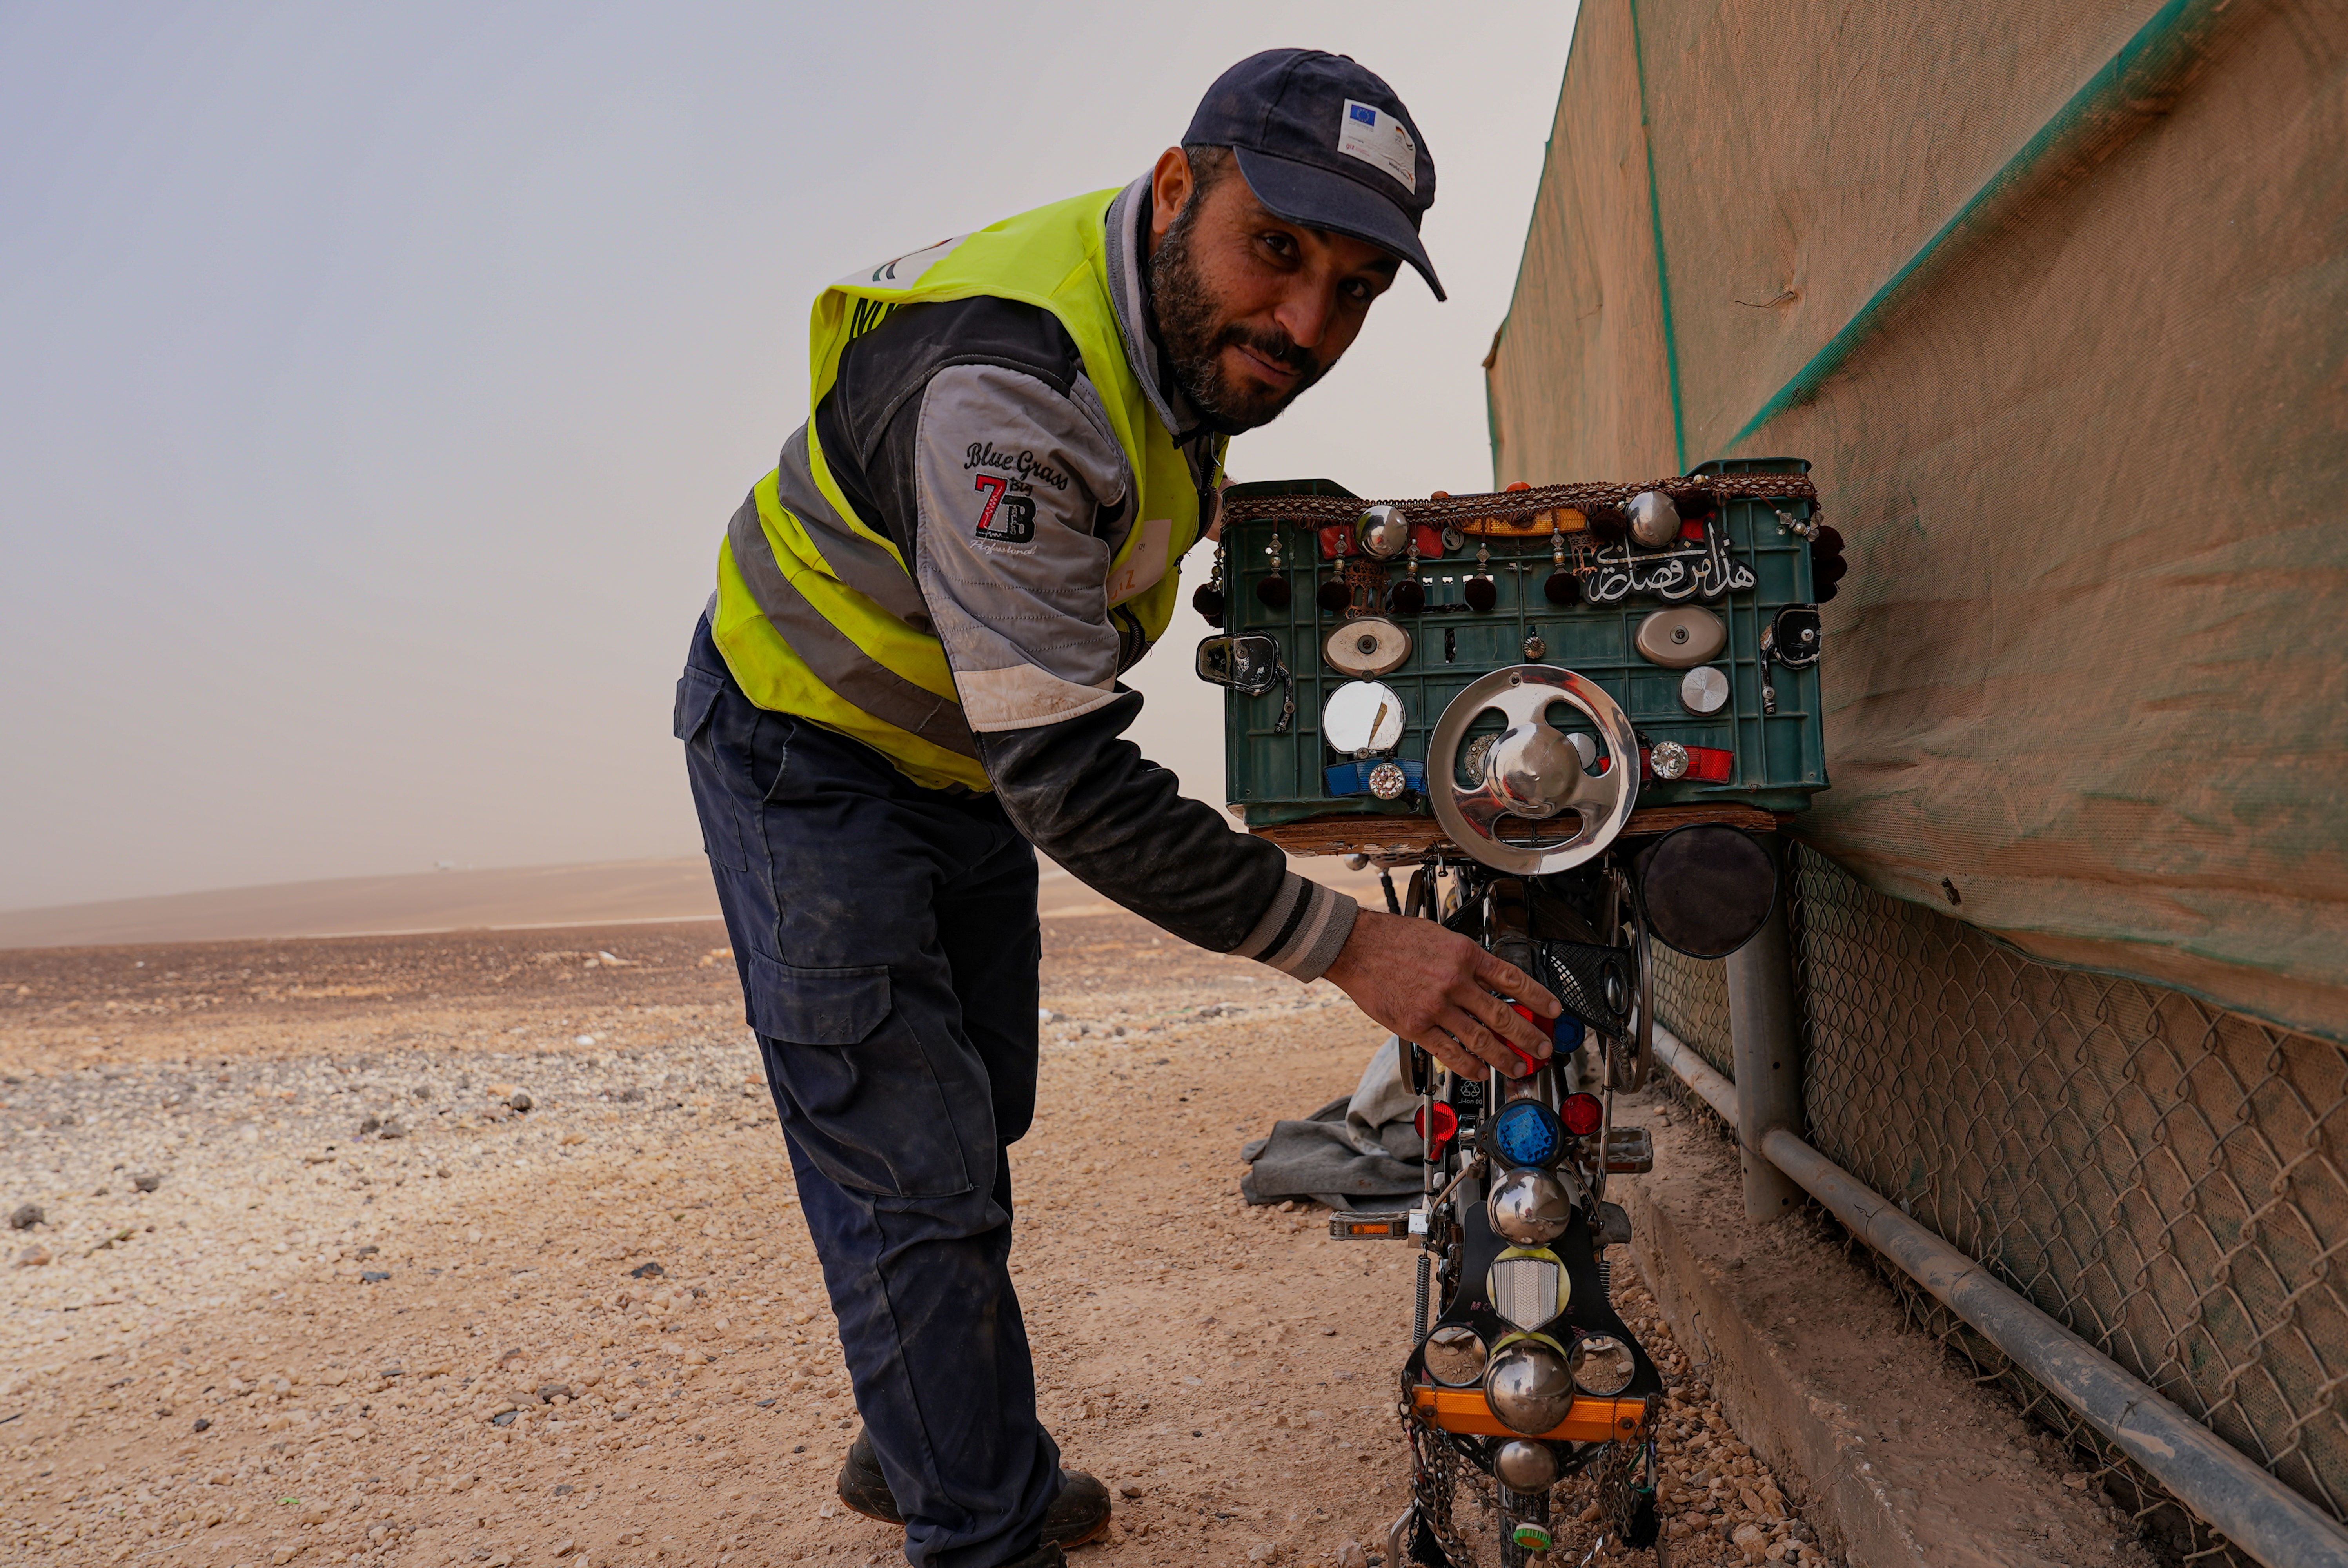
1022, 499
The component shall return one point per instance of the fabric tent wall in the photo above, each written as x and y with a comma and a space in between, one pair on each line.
2055, 299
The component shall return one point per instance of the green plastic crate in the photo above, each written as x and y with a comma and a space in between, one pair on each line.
1780, 757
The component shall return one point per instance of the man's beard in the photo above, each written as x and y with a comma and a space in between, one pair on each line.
1190, 324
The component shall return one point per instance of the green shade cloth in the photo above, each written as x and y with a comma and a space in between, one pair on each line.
2055, 299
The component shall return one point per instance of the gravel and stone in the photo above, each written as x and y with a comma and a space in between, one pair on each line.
481, 1249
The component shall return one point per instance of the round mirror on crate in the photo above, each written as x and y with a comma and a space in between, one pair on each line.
1361, 717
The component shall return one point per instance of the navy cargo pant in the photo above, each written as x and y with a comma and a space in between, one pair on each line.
888, 942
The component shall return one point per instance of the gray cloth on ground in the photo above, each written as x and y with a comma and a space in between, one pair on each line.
1360, 1152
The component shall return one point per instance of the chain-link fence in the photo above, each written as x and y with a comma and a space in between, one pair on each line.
1692, 1000
2167, 1179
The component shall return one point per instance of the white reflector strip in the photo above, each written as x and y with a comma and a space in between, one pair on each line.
1524, 1291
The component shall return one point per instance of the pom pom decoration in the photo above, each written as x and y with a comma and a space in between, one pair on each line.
1333, 596
1828, 567
1408, 596
1827, 576
1209, 599
1481, 592
1563, 587
1272, 592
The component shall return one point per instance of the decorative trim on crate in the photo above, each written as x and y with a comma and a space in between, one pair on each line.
1381, 836
1505, 512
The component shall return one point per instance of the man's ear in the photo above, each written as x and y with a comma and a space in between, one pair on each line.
1171, 185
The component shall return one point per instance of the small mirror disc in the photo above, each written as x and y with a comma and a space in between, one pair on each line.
1362, 716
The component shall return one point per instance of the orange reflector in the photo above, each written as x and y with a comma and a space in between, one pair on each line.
1590, 1421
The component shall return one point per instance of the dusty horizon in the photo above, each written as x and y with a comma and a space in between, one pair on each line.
649, 892
458, 336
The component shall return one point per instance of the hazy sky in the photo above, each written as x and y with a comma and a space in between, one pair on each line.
375, 381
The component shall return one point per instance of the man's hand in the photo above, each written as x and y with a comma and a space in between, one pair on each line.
1434, 987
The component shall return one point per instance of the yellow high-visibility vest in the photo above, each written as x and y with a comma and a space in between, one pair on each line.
829, 639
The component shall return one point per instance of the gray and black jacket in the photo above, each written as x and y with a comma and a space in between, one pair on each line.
1036, 651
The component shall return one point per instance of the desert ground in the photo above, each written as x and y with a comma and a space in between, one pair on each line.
481, 1249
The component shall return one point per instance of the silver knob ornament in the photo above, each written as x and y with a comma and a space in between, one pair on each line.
1383, 533
1529, 1387
1655, 521
1536, 768
1530, 1206
1525, 1467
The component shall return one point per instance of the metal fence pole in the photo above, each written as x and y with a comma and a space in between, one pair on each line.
2252, 1509
1767, 1045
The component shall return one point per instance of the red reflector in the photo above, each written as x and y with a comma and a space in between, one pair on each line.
1446, 1125
1582, 1114
1706, 764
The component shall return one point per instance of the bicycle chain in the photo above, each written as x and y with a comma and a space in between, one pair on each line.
1618, 1496
1436, 1470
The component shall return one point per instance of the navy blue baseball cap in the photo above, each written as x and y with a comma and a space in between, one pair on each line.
1325, 144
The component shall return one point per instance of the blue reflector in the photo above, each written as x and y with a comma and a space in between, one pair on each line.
1525, 1134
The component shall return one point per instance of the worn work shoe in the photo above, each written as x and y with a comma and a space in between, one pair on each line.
862, 1487
1077, 1515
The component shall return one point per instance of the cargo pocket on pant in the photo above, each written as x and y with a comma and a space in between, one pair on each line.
861, 1094
699, 694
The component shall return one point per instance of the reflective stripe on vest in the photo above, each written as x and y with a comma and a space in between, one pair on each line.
827, 652
816, 613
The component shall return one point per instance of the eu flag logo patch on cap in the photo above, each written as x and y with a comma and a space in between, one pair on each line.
1379, 140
